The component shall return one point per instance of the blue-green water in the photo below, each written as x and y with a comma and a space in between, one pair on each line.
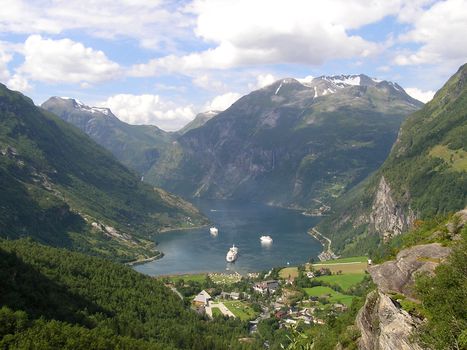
193, 251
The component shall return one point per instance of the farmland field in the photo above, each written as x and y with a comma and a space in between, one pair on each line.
288, 271
201, 277
346, 268
345, 281
334, 297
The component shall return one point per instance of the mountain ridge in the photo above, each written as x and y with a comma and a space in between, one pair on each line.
423, 176
63, 189
284, 127
136, 146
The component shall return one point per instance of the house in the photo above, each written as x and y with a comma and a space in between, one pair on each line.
266, 286
202, 299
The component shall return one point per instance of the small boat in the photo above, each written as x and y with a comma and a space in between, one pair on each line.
214, 231
232, 254
265, 239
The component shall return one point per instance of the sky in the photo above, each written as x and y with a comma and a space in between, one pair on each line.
161, 62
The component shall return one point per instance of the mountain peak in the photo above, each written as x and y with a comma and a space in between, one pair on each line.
77, 105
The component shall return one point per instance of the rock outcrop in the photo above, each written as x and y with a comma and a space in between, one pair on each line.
397, 276
383, 324
388, 218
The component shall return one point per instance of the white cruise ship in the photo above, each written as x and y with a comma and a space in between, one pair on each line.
214, 231
265, 239
232, 254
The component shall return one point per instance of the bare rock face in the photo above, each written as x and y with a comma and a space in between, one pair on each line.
388, 217
384, 326
397, 276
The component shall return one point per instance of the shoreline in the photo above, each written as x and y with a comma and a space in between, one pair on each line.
327, 253
160, 255
167, 230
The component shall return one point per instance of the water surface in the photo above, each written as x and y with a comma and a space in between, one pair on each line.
239, 223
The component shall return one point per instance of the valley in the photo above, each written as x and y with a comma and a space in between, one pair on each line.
344, 196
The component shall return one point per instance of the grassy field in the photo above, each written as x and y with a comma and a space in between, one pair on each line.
345, 268
216, 312
222, 278
201, 277
345, 281
240, 310
288, 271
346, 260
457, 159
334, 297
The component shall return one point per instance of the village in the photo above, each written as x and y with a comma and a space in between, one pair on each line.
307, 295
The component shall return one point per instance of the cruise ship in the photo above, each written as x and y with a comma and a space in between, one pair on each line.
232, 254
214, 231
265, 239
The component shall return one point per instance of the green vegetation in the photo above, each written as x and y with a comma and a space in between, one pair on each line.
344, 281
216, 312
330, 294
63, 189
456, 159
288, 272
241, 309
290, 150
443, 299
338, 328
136, 146
54, 298
362, 259
352, 268
199, 277
425, 171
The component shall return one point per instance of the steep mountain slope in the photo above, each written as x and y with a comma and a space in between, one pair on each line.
56, 299
136, 146
425, 175
200, 120
289, 143
63, 189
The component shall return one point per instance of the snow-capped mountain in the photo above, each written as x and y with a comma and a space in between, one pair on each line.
326, 85
136, 146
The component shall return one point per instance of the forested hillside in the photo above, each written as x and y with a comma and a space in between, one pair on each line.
63, 189
54, 298
424, 176
289, 144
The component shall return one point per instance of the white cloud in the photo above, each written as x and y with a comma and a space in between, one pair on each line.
246, 32
441, 32
64, 60
424, 96
19, 83
149, 109
4, 59
153, 23
222, 102
263, 80
207, 82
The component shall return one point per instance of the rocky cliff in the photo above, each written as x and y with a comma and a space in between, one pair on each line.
388, 217
296, 144
383, 323
424, 175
